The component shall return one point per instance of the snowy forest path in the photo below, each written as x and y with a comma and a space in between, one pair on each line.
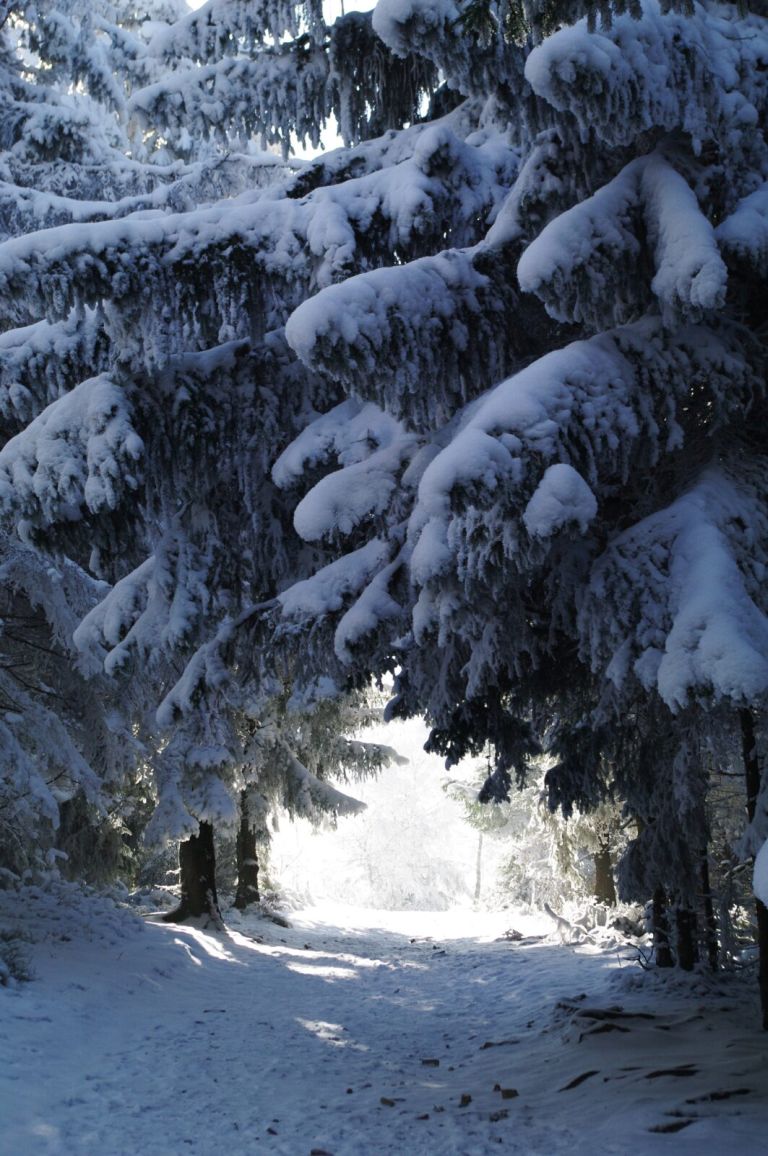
360, 1038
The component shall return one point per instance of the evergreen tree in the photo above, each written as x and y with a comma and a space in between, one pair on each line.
582, 542
146, 386
65, 739
519, 342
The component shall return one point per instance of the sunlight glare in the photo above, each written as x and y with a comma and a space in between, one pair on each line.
331, 1034
322, 972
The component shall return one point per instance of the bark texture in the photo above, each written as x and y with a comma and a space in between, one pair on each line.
710, 921
660, 927
687, 947
197, 864
605, 888
247, 859
752, 783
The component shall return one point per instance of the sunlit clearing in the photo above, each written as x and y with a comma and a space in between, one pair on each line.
411, 850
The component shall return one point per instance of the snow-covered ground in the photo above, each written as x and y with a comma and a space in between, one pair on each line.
363, 1032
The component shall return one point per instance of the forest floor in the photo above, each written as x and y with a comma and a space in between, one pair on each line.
365, 1033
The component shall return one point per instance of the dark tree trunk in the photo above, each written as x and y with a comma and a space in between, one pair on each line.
197, 863
247, 859
660, 927
685, 928
762, 939
710, 922
752, 781
605, 888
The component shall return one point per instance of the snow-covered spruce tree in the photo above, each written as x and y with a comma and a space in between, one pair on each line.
145, 376
74, 147
65, 739
595, 520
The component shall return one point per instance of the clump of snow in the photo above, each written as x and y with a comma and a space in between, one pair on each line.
658, 68
319, 439
745, 232
690, 273
392, 17
369, 445
561, 497
586, 253
374, 606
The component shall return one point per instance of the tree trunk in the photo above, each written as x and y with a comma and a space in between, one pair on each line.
197, 863
660, 927
605, 888
479, 868
685, 927
247, 859
710, 922
752, 780
762, 939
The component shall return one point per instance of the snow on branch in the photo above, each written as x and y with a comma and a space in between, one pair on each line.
324, 437
241, 249
527, 417
172, 819
289, 86
309, 795
223, 27
374, 608
171, 187
690, 277
268, 97
342, 500
153, 609
605, 408
82, 451
561, 497
376, 754
372, 89
62, 593
41, 362
38, 751
744, 234
385, 332
333, 585
206, 671
584, 264
703, 73
588, 264
117, 622
677, 601
475, 62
